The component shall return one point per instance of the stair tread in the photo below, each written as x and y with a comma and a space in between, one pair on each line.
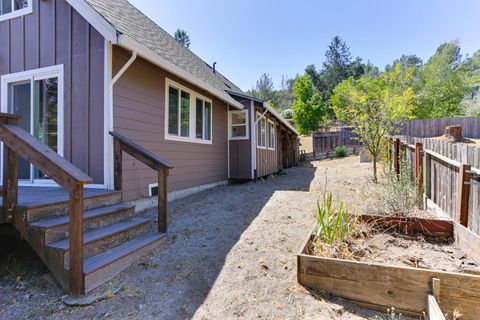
88, 214
98, 261
97, 234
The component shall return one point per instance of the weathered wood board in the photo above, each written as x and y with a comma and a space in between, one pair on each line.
381, 286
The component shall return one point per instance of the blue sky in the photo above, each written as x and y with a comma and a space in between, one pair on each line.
250, 37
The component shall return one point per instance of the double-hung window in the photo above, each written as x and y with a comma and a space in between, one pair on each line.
188, 115
10, 9
261, 131
238, 125
271, 133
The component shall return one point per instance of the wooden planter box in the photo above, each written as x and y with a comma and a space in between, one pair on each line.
381, 286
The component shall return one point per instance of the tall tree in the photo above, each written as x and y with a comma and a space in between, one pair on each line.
443, 83
182, 37
373, 106
308, 109
406, 61
264, 88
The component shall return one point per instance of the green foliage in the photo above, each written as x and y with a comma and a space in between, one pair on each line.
287, 113
308, 109
182, 37
443, 83
398, 194
332, 223
264, 88
340, 152
374, 106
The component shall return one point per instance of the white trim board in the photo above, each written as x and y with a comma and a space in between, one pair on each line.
18, 13
230, 125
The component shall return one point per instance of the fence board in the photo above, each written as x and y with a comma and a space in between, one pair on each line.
428, 128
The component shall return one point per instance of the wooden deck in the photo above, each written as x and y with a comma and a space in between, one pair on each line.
31, 197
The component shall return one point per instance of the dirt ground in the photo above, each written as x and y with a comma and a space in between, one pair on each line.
230, 255
306, 143
400, 249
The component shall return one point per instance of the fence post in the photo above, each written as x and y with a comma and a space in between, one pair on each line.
313, 146
396, 156
463, 195
419, 171
427, 177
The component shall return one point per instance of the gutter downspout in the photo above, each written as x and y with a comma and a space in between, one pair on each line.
124, 68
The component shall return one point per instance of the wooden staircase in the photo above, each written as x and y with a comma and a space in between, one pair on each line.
85, 238
113, 237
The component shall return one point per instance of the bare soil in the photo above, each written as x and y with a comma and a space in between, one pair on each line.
230, 255
399, 249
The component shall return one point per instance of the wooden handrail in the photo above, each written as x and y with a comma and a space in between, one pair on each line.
19, 142
123, 144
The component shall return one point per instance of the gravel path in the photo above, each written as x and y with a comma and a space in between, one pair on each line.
231, 255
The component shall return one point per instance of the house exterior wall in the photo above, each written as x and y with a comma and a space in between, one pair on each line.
266, 158
139, 114
55, 34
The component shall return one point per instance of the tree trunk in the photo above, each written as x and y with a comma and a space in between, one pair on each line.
375, 180
453, 134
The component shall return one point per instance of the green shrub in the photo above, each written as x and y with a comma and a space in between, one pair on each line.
332, 223
340, 152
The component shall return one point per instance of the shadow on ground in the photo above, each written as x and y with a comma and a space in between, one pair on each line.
170, 283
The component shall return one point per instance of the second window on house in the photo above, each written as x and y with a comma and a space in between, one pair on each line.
189, 115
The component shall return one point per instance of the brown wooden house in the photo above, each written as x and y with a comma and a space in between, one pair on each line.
108, 106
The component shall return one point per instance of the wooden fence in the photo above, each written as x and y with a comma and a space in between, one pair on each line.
448, 175
327, 141
428, 128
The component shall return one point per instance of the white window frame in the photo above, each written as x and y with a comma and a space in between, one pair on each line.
231, 125
260, 119
17, 13
192, 117
33, 75
269, 134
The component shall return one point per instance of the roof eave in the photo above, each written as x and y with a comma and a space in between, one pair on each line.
267, 106
153, 57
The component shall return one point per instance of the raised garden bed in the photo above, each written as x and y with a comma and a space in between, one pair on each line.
381, 286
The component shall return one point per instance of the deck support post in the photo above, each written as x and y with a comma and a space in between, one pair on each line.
117, 164
77, 284
463, 194
419, 172
10, 182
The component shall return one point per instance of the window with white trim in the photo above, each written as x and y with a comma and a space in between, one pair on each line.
10, 9
271, 135
261, 131
238, 128
188, 115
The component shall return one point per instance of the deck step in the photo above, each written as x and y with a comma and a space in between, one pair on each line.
104, 266
56, 229
61, 207
103, 239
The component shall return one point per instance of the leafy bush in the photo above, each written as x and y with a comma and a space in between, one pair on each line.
340, 152
332, 223
397, 194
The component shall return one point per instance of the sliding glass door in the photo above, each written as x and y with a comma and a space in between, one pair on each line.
36, 97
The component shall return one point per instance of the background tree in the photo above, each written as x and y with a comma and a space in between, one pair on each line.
406, 61
308, 109
443, 83
264, 88
373, 107
182, 37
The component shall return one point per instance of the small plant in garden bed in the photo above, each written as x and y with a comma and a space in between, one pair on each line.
340, 152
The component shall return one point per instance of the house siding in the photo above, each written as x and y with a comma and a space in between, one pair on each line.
266, 158
241, 151
139, 114
56, 34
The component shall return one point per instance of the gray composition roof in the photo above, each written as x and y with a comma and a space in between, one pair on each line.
130, 21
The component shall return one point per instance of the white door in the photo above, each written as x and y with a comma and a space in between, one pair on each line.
36, 96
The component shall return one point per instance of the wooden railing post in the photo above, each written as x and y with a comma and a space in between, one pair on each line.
162, 200
117, 164
427, 177
77, 284
463, 195
396, 156
419, 171
10, 181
